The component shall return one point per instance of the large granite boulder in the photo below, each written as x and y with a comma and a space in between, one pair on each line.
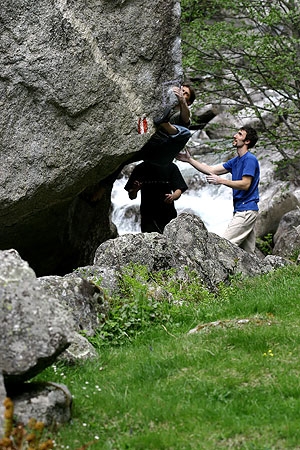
80, 83
217, 259
50, 403
153, 250
85, 301
184, 243
277, 197
287, 236
35, 327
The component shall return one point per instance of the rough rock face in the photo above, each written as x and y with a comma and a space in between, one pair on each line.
277, 196
35, 328
287, 236
217, 259
185, 242
76, 80
84, 300
152, 250
49, 403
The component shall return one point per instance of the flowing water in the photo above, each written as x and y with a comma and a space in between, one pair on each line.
213, 204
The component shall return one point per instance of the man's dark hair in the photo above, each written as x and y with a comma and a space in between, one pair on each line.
251, 135
192, 92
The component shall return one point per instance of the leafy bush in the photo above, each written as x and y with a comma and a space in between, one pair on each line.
145, 299
295, 255
265, 244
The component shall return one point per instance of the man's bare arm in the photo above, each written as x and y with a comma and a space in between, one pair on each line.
185, 113
243, 184
201, 167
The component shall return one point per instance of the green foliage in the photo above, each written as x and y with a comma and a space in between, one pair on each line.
265, 244
288, 170
188, 289
146, 299
230, 44
294, 256
232, 385
129, 317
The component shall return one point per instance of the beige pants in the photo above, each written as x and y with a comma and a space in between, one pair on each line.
241, 230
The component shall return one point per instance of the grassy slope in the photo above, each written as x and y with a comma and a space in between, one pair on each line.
232, 386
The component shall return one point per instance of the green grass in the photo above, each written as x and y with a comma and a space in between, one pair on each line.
232, 386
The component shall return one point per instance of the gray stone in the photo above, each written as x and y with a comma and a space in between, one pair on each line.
277, 261
35, 328
184, 243
153, 250
49, 403
79, 350
82, 299
216, 258
106, 277
287, 236
76, 78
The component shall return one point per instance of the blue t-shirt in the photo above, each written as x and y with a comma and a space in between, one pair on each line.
246, 165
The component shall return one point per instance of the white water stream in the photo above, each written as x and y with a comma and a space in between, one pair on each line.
213, 204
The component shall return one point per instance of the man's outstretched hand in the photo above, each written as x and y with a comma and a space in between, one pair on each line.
184, 156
